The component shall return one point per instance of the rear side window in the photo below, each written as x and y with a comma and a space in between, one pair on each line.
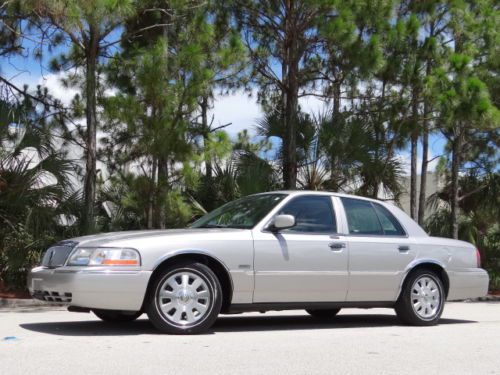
313, 214
361, 217
364, 217
390, 224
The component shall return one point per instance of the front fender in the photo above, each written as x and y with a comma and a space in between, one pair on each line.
188, 251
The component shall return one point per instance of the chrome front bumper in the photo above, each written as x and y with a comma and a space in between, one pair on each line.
91, 288
471, 283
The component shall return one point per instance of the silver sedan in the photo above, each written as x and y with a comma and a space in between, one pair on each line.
272, 251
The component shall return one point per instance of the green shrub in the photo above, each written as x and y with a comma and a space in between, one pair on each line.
19, 252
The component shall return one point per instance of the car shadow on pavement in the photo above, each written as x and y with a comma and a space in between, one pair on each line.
272, 323
240, 323
93, 328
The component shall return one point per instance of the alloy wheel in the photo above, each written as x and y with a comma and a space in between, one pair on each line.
425, 297
184, 298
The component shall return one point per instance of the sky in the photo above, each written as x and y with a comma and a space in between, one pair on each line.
239, 108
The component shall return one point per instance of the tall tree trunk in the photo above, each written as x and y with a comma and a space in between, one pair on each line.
90, 142
206, 133
455, 169
414, 145
422, 200
413, 176
334, 185
162, 191
290, 170
336, 101
425, 163
162, 182
291, 99
151, 202
380, 141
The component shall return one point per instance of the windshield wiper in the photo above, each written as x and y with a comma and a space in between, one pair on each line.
213, 226
235, 226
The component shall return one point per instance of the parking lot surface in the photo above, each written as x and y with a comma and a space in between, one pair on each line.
467, 341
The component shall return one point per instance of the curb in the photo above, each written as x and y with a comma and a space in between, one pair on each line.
488, 298
18, 303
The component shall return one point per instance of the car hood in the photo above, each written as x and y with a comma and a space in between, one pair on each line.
103, 239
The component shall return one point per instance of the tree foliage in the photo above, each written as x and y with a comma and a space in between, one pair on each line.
137, 147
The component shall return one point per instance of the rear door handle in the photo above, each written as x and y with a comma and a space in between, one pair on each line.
337, 246
403, 248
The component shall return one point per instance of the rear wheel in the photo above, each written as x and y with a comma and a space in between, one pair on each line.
185, 298
115, 316
422, 299
323, 313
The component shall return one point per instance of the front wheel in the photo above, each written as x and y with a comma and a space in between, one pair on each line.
323, 313
113, 316
185, 298
422, 299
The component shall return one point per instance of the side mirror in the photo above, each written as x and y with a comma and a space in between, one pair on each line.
283, 222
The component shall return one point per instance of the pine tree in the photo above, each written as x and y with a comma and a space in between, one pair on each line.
153, 118
88, 25
281, 36
464, 100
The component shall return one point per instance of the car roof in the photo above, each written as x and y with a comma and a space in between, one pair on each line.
411, 227
316, 192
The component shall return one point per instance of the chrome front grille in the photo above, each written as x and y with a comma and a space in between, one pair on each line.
57, 255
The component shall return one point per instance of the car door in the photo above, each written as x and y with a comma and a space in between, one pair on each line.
305, 263
379, 251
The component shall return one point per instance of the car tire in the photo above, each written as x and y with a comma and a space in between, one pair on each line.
323, 313
422, 299
184, 298
115, 316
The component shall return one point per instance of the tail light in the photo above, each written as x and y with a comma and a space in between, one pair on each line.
478, 257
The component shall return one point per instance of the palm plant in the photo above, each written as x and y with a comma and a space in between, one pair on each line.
36, 195
478, 220
240, 172
271, 126
347, 155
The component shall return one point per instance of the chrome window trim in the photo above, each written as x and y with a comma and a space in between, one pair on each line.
405, 232
405, 235
297, 196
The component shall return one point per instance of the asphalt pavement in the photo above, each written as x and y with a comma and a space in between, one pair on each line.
44, 341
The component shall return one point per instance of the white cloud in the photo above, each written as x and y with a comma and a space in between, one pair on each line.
21, 78
239, 109
53, 82
242, 110
312, 105
405, 158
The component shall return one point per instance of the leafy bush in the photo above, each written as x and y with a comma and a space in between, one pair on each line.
35, 191
489, 246
19, 251
471, 229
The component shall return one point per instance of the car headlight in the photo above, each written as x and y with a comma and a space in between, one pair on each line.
104, 256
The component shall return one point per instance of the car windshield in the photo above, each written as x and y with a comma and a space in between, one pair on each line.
243, 213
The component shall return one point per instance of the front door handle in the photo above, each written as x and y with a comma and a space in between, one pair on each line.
337, 246
404, 248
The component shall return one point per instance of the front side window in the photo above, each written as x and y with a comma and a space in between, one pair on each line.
243, 213
313, 214
364, 217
